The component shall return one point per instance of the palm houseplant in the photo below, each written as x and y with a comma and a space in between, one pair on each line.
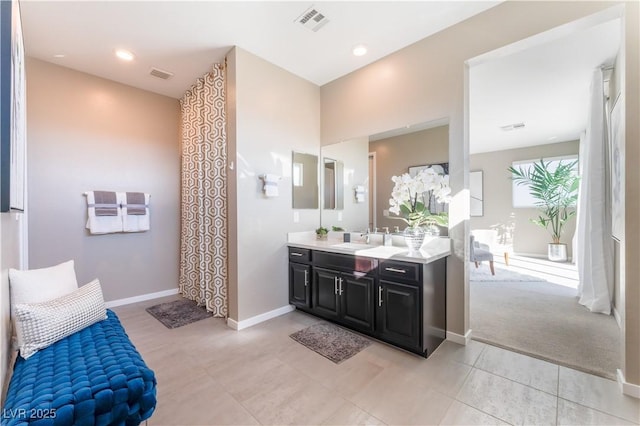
554, 186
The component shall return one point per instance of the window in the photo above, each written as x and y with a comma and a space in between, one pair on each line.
521, 197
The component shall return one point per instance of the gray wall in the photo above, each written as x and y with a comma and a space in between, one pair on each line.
426, 81
499, 213
87, 133
395, 155
271, 113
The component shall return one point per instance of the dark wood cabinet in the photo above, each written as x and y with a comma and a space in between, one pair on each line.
399, 314
356, 301
326, 301
343, 297
300, 277
401, 303
300, 285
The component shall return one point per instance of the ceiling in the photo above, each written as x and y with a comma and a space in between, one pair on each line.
186, 38
546, 87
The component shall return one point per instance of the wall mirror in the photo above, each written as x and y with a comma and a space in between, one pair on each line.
332, 184
304, 177
371, 161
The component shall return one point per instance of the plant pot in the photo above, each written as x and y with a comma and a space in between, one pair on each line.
322, 237
557, 252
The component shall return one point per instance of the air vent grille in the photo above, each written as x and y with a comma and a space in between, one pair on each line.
312, 19
157, 72
510, 127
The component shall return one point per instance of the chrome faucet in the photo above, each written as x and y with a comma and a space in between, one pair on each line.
367, 236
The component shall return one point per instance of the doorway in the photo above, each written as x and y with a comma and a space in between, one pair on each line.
522, 108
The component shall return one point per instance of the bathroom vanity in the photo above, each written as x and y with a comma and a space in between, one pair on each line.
377, 290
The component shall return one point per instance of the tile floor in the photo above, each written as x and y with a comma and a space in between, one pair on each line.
209, 374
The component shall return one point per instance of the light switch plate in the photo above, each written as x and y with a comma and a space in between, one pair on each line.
296, 217
339, 216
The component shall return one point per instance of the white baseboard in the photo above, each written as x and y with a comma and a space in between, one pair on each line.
141, 298
627, 388
239, 325
459, 338
616, 315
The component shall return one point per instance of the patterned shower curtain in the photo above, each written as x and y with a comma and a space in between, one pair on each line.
203, 228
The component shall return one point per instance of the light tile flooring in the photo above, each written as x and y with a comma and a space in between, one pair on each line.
209, 374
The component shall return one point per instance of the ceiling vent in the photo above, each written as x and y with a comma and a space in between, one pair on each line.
312, 19
157, 72
511, 127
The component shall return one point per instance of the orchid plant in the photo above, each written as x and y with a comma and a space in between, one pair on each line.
411, 197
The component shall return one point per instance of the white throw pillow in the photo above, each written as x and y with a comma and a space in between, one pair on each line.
42, 324
40, 285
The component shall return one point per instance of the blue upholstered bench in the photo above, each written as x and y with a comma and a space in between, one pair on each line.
93, 377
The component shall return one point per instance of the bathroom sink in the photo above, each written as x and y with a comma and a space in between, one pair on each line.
355, 246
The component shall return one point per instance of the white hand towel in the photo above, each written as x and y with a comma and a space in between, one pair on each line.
271, 185
135, 223
102, 224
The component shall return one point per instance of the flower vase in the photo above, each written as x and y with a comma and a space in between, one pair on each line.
414, 237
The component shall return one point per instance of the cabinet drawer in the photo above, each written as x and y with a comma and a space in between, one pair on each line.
404, 271
299, 255
345, 262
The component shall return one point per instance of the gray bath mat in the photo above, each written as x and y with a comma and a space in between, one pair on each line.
331, 341
178, 313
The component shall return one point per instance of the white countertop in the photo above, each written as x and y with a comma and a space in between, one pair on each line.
434, 248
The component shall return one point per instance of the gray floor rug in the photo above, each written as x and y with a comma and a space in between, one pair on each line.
545, 320
331, 341
178, 313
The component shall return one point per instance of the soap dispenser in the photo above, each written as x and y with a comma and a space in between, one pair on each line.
386, 237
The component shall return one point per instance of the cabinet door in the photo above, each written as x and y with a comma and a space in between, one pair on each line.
325, 293
299, 285
356, 301
399, 314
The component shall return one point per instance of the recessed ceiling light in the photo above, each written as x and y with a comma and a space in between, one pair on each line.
125, 55
360, 50
59, 55
552, 138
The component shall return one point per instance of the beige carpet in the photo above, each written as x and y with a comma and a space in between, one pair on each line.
544, 320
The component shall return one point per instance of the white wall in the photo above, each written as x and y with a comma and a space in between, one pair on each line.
355, 156
10, 251
271, 113
87, 133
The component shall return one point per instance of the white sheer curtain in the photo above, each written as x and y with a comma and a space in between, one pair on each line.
595, 247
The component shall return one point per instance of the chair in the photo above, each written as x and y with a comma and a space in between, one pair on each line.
490, 238
479, 252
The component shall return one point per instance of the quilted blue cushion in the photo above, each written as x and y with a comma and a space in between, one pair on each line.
93, 377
